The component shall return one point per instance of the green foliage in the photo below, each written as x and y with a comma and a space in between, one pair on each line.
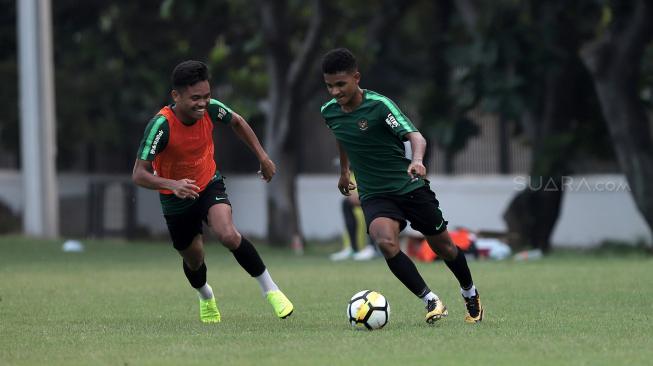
119, 76
454, 135
112, 62
509, 64
490, 58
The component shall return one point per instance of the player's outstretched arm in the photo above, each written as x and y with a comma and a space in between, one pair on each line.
345, 184
143, 176
416, 169
245, 133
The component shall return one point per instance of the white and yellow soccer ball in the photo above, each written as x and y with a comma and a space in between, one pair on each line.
368, 310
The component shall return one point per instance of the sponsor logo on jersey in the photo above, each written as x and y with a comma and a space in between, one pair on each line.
363, 125
221, 112
156, 141
391, 121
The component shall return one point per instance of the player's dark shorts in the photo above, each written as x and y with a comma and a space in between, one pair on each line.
185, 226
419, 207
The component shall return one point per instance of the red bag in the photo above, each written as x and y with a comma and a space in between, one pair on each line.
420, 249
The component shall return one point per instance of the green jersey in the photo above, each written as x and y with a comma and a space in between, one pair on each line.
373, 135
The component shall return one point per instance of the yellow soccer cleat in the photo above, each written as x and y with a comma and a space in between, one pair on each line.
209, 311
435, 310
474, 309
282, 306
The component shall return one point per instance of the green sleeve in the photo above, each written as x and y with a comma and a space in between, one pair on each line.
155, 138
325, 111
394, 118
219, 112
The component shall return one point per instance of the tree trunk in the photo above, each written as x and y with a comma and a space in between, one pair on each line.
532, 214
551, 124
285, 103
283, 217
614, 60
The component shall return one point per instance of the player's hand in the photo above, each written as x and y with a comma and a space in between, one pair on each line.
185, 189
345, 185
268, 170
416, 170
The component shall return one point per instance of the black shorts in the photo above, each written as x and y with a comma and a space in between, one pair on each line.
185, 226
419, 207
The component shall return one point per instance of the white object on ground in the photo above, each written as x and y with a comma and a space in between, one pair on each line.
341, 255
365, 254
495, 248
73, 246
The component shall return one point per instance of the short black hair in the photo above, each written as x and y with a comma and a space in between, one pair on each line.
339, 60
189, 73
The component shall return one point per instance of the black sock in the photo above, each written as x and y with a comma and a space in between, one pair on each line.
248, 258
404, 269
350, 223
196, 278
460, 269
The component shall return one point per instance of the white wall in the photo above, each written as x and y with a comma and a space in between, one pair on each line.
594, 208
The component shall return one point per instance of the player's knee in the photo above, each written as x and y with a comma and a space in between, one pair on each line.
230, 239
451, 252
387, 246
194, 255
445, 249
194, 262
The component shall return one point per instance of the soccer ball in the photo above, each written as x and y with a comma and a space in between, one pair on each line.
368, 309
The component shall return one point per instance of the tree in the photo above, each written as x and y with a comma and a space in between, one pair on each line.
443, 106
286, 95
615, 61
524, 67
112, 72
553, 117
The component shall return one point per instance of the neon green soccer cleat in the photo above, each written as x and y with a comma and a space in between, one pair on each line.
435, 310
209, 311
282, 306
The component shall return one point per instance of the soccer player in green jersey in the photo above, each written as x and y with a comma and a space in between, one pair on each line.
370, 129
176, 158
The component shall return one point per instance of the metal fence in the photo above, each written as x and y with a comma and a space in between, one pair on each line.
493, 151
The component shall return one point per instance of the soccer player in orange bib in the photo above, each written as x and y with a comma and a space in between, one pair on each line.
175, 157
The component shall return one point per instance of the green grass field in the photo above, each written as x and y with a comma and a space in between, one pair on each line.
123, 303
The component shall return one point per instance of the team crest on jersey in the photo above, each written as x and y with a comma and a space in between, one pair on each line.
363, 125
